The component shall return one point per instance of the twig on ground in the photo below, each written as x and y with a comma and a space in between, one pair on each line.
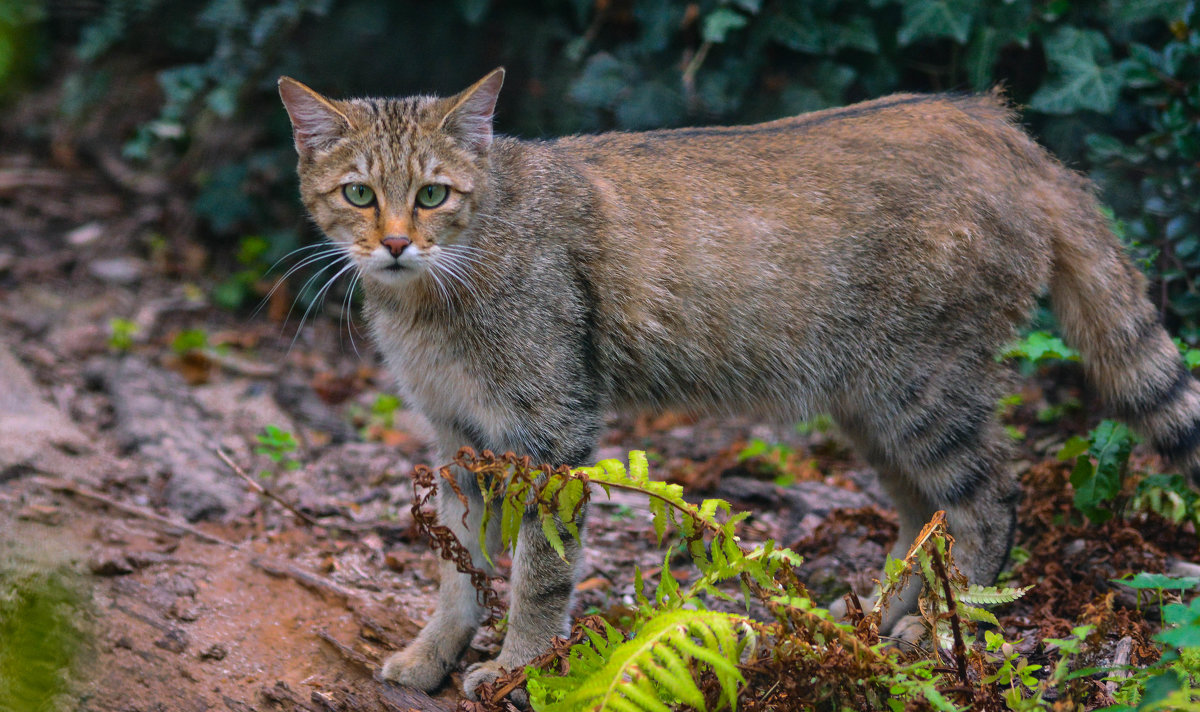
306, 579
264, 491
347, 652
81, 491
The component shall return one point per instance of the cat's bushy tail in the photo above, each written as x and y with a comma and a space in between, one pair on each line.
1099, 298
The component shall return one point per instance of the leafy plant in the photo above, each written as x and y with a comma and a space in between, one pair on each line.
1101, 462
1170, 683
1158, 583
384, 407
277, 444
676, 652
1040, 346
121, 333
1168, 496
189, 340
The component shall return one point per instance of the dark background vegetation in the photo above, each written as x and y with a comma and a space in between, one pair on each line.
183, 91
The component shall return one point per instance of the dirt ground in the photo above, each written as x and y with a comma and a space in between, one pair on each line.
191, 590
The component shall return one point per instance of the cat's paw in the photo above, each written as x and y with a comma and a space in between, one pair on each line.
417, 666
480, 673
910, 629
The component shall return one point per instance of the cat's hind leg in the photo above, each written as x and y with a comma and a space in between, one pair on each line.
945, 451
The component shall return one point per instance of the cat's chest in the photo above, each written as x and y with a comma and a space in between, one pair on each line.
441, 373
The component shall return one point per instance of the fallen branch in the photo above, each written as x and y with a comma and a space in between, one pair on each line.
264, 491
306, 579
132, 509
348, 652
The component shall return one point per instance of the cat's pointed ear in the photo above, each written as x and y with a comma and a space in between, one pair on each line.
470, 114
316, 122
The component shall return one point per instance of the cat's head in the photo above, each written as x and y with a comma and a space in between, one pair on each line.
395, 182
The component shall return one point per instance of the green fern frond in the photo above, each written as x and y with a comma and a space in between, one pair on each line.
659, 666
979, 615
990, 595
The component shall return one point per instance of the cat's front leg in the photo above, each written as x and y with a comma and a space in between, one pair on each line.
542, 587
460, 612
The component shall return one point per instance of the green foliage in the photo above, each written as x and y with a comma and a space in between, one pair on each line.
383, 409
1167, 495
654, 669
1158, 583
41, 624
676, 652
255, 256
1101, 462
19, 40
277, 444
1170, 683
1040, 346
822, 423
189, 340
121, 333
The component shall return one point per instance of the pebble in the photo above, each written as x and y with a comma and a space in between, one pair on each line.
118, 270
85, 234
110, 563
175, 641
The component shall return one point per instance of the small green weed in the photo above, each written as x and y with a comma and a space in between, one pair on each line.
121, 333
1040, 346
383, 409
277, 444
189, 340
822, 423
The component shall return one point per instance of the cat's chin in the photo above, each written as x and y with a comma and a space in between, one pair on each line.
394, 275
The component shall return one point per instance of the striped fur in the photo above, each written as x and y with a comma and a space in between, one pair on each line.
868, 262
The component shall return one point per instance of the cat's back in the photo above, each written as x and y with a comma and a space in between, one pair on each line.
900, 128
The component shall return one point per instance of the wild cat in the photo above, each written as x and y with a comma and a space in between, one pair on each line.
866, 262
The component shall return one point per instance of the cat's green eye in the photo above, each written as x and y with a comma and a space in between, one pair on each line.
432, 195
358, 194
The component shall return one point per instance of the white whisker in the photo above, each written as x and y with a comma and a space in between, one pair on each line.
308, 260
301, 291
318, 300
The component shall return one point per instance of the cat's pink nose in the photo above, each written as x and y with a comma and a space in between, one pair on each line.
396, 245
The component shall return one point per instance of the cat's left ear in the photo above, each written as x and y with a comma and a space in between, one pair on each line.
316, 122
470, 114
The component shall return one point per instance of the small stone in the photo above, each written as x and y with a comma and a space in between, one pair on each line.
175, 641
395, 563
41, 513
85, 234
182, 609
216, 651
109, 562
118, 270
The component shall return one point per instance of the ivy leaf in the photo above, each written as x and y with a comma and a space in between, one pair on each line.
1128, 12
720, 22
935, 18
1082, 73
